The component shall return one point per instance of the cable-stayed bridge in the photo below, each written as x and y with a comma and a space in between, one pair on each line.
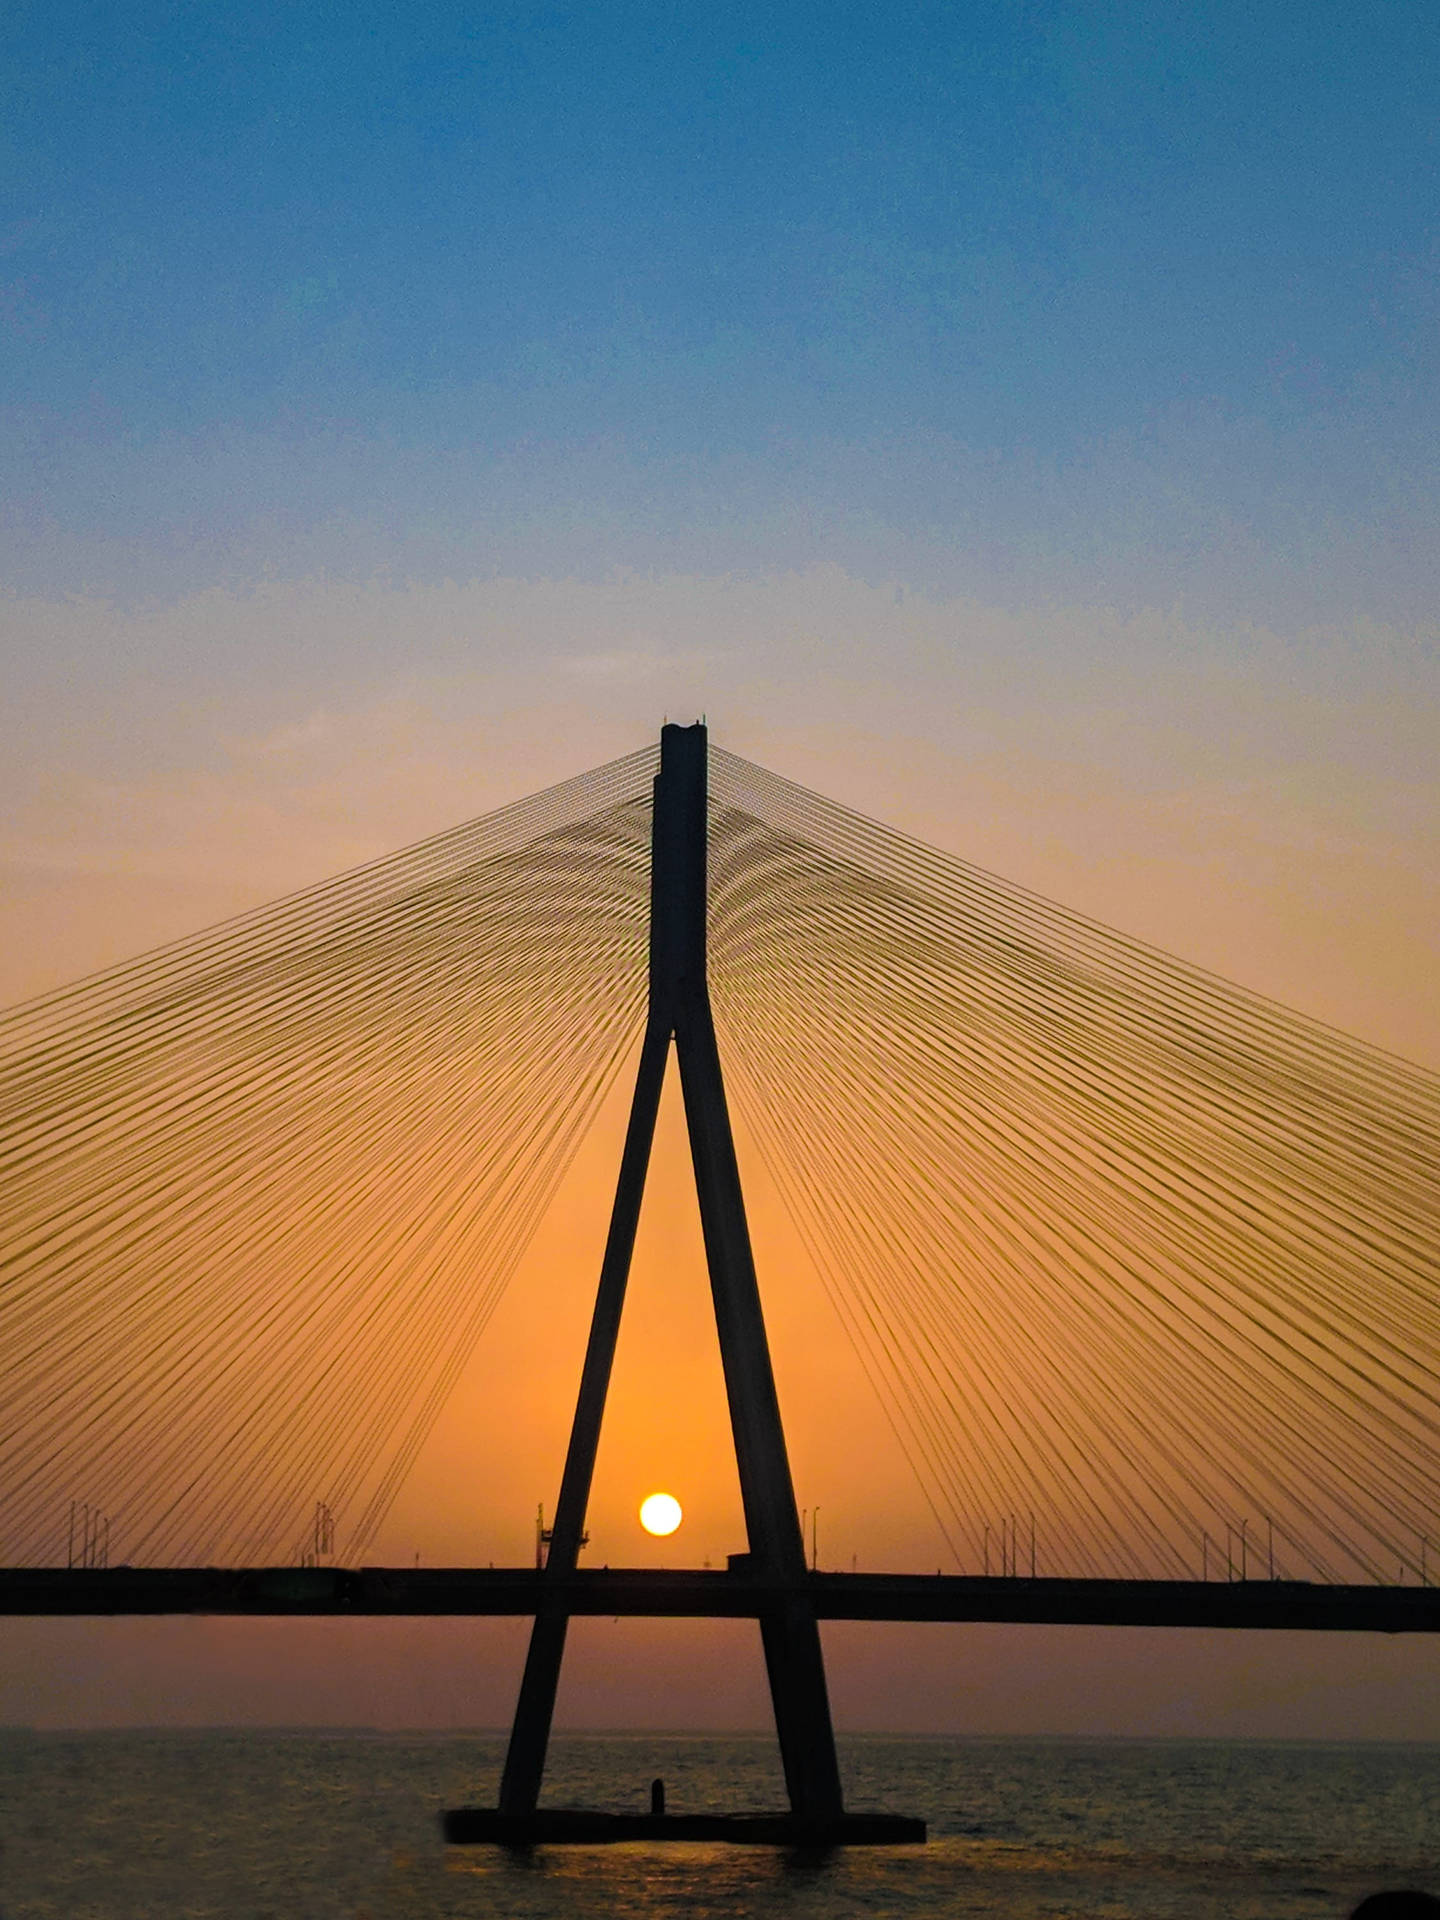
1130, 1256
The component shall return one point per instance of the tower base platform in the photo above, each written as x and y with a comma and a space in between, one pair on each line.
574, 1826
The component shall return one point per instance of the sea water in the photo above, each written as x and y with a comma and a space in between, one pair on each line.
305, 1826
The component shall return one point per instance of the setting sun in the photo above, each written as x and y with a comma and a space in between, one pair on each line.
660, 1513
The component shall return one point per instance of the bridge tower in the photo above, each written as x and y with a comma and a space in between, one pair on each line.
680, 1010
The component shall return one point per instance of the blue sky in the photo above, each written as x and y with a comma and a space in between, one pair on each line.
1061, 297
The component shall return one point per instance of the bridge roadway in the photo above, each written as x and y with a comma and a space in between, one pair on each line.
705, 1595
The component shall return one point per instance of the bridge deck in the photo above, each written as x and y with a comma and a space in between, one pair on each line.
653, 1593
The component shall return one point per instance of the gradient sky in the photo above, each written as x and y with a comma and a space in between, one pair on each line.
1020, 422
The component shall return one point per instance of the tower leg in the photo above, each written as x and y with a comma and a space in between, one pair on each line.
535, 1709
794, 1661
795, 1668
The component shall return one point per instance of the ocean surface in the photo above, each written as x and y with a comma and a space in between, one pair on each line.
309, 1825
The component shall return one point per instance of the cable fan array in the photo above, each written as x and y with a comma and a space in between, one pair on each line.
264, 1188
1143, 1267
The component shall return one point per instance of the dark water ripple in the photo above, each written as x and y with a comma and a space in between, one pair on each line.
306, 1826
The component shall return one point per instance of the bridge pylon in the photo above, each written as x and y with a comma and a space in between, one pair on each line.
679, 1010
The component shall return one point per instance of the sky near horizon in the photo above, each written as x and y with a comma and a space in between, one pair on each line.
1020, 423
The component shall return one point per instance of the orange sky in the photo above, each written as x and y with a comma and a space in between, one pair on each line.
1282, 833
